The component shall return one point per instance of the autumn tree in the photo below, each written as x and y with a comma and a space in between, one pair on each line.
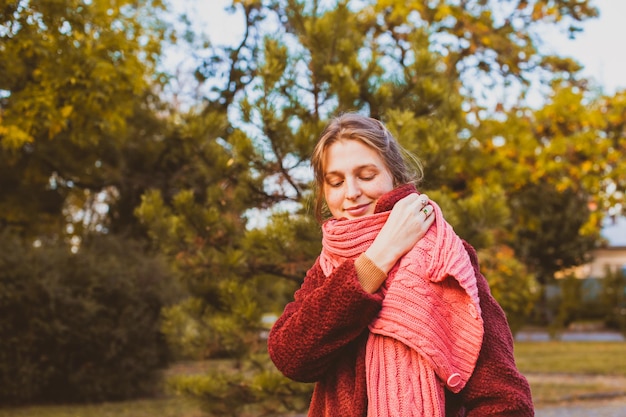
80, 123
563, 175
73, 75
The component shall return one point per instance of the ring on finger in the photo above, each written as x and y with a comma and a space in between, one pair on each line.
425, 210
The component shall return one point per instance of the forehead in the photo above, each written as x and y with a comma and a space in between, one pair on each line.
350, 154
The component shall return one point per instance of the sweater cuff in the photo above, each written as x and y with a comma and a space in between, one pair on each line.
370, 276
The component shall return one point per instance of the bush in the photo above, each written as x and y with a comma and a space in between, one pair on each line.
613, 297
600, 300
252, 388
79, 327
570, 303
511, 285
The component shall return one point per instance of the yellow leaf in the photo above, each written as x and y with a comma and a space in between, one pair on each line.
54, 129
13, 137
443, 12
66, 111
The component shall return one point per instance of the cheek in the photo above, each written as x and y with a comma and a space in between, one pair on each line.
333, 197
381, 187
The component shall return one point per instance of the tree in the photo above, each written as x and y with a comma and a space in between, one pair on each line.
109, 48
80, 123
73, 74
229, 272
562, 176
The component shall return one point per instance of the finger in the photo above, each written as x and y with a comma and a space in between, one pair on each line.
408, 201
427, 211
423, 199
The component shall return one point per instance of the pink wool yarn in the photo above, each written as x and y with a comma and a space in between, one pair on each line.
429, 330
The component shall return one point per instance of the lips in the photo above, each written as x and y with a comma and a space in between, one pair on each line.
359, 210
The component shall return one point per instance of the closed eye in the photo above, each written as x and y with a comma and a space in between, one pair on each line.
334, 180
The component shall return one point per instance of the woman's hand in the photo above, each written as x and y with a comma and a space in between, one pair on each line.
408, 222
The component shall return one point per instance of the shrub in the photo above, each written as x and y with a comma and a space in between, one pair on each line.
613, 297
569, 303
511, 285
79, 327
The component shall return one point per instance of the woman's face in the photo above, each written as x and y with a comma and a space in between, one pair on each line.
355, 177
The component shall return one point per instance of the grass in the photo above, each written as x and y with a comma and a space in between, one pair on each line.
557, 372
559, 392
549, 393
169, 407
569, 371
589, 358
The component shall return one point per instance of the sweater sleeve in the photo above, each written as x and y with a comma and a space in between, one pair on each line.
327, 314
496, 386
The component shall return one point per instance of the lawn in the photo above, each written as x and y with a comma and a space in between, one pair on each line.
568, 371
170, 407
557, 371
590, 358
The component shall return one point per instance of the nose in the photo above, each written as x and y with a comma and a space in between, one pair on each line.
353, 190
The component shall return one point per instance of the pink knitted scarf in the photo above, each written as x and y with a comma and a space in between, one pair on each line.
429, 330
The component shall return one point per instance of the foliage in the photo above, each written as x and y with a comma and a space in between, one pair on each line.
592, 300
479, 217
251, 388
79, 327
562, 176
564, 154
548, 231
511, 284
230, 272
280, 254
613, 299
75, 77
196, 219
86, 87
570, 301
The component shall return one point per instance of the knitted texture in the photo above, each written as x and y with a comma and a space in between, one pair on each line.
322, 334
429, 330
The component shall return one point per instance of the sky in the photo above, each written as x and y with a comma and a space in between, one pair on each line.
599, 48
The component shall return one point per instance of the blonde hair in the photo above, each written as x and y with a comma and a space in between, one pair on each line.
372, 133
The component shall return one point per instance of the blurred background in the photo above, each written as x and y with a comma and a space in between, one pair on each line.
156, 196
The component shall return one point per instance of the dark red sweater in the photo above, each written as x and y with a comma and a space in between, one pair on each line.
321, 336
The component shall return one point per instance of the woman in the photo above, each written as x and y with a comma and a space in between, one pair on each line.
394, 318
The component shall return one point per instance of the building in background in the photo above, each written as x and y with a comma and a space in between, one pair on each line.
609, 257
613, 255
